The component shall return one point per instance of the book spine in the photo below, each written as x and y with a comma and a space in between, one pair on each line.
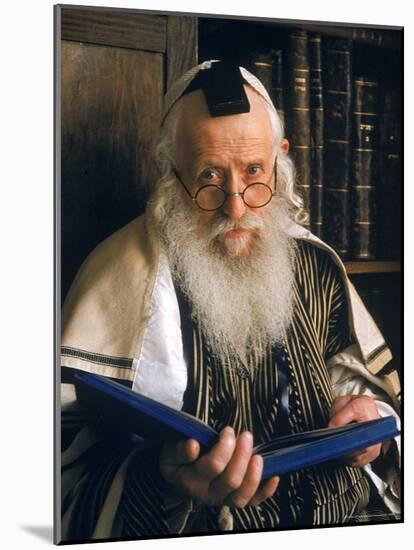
268, 69
364, 168
277, 79
337, 154
261, 65
298, 111
317, 142
390, 182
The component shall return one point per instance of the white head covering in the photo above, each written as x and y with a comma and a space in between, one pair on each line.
179, 86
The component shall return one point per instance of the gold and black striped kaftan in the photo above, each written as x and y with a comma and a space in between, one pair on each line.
249, 399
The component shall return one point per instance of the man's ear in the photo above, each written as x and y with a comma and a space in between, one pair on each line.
284, 144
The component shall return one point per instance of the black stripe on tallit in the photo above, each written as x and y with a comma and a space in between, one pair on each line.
98, 358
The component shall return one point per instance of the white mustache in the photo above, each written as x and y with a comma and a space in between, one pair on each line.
223, 224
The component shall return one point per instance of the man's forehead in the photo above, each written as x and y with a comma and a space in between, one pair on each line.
194, 112
200, 138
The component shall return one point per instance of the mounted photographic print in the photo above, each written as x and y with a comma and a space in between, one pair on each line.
228, 274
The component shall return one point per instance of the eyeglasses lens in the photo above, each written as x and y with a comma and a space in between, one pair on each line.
254, 196
257, 194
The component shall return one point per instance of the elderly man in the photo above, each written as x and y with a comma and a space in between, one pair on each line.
217, 301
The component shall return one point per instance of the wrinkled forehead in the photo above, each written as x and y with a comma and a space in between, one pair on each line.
195, 121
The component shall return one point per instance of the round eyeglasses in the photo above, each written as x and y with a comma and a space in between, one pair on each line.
211, 197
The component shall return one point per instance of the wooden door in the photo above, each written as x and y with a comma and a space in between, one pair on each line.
114, 68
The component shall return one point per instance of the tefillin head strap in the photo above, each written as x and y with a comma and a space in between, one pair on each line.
223, 89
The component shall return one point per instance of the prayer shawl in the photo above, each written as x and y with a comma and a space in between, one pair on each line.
121, 319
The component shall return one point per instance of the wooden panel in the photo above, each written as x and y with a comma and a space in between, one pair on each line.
112, 28
182, 45
372, 267
111, 109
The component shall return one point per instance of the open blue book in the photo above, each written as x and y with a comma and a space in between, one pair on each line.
129, 411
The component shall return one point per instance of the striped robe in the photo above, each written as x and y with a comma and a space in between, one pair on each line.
327, 494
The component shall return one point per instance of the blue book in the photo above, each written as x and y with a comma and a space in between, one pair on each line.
129, 411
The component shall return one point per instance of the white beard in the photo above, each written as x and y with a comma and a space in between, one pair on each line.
242, 304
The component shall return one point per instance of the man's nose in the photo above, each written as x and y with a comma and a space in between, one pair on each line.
234, 206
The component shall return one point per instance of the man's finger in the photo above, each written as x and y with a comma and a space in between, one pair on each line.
178, 453
266, 490
339, 403
233, 476
213, 464
362, 458
359, 409
250, 483
354, 456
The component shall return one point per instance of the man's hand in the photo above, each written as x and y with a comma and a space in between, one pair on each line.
228, 474
350, 408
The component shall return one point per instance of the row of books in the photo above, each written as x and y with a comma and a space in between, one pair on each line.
344, 133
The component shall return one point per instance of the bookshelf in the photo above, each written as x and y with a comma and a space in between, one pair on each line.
359, 268
354, 193
368, 221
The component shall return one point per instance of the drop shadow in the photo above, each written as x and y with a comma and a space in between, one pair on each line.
43, 532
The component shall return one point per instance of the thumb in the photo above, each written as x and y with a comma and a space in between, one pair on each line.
339, 403
179, 453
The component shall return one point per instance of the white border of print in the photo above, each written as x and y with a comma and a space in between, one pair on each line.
27, 271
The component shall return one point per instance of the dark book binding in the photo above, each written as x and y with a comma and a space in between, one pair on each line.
363, 236
261, 65
127, 411
390, 175
337, 69
298, 110
317, 142
269, 70
277, 80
